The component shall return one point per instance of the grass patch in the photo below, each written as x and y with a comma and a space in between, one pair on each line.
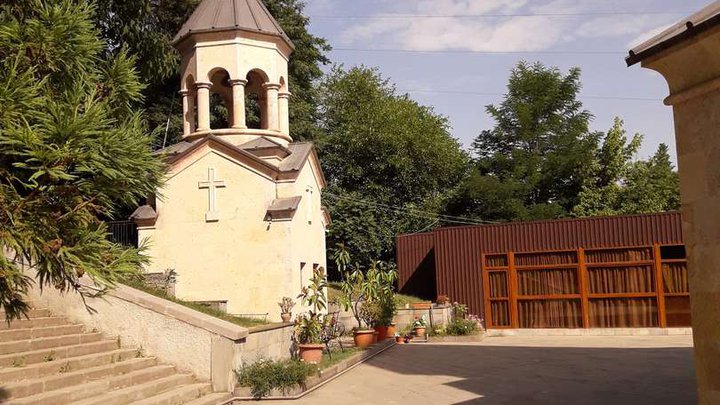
237, 320
338, 356
401, 300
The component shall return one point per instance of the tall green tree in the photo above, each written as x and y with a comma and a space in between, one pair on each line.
533, 163
147, 27
652, 185
390, 161
601, 193
72, 149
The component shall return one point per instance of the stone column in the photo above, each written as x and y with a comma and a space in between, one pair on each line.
271, 106
284, 112
188, 106
238, 103
203, 106
692, 69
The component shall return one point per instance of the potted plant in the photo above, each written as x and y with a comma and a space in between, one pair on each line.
309, 326
400, 340
286, 305
443, 300
383, 275
419, 326
353, 292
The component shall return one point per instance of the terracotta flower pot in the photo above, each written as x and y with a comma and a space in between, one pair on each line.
375, 336
311, 352
382, 332
420, 332
363, 338
400, 340
285, 316
391, 330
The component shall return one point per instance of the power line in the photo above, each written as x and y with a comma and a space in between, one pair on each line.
497, 15
411, 211
468, 51
478, 93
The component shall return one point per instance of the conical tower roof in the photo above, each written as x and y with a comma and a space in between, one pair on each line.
229, 15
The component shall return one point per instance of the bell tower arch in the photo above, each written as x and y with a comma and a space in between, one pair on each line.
234, 59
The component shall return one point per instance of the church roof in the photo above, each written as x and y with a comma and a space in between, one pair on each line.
230, 15
683, 30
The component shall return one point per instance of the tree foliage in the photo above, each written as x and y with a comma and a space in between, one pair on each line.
384, 156
532, 164
147, 27
72, 149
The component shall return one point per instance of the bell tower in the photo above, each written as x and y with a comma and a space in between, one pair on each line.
234, 57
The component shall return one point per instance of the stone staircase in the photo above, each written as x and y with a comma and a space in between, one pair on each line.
48, 360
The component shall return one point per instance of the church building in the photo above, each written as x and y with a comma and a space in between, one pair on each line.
239, 219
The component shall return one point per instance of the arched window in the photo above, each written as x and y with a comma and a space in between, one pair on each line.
220, 99
255, 100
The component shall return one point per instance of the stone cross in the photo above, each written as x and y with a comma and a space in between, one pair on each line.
212, 185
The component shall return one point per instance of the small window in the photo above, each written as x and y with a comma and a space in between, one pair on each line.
302, 275
672, 252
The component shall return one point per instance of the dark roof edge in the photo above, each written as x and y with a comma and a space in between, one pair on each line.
690, 31
175, 42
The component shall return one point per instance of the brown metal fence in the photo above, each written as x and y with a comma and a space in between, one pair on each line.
459, 253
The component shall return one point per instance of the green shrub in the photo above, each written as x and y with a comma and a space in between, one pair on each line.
461, 327
265, 375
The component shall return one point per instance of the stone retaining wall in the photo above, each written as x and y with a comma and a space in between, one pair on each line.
206, 346
441, 315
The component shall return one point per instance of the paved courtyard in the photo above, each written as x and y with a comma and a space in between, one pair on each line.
523, 370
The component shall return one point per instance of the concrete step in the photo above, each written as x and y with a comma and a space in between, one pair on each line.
18, 346
36, 333
134, 393
41, 385
56, 353
211, 399
66, 365
32, 313
34, 323
100, 388
179, 395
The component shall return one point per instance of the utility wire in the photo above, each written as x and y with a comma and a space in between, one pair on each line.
468, 51
411, 211
497, 15
479, 93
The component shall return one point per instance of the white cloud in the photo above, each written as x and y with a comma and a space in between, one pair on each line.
519, 33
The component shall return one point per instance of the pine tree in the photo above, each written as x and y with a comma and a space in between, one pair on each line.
652, 185
72, 150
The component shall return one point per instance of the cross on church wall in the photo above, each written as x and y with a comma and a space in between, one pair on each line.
212, 185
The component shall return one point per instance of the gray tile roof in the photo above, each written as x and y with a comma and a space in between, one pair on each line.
299, 153
686, 28
227, 15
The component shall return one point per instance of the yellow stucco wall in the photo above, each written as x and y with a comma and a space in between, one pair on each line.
241, 258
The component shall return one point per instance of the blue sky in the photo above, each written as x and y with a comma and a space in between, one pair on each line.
463, 53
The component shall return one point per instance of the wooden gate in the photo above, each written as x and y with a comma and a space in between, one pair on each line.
643, 286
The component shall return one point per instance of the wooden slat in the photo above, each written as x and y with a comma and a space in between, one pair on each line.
621, 264
623, 295
659, 288
486, 292
513, 290
548, 297
584, 288
547, 266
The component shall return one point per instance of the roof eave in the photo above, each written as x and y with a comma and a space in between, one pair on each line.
690, 31
179, 39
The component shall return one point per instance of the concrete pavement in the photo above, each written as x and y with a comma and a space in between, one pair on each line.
613, 370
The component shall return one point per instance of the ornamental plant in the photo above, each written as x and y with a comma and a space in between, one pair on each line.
419, 322
286, 305
309, 325
74, 149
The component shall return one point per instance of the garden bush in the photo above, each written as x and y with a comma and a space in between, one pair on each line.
265, 375
461, 327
